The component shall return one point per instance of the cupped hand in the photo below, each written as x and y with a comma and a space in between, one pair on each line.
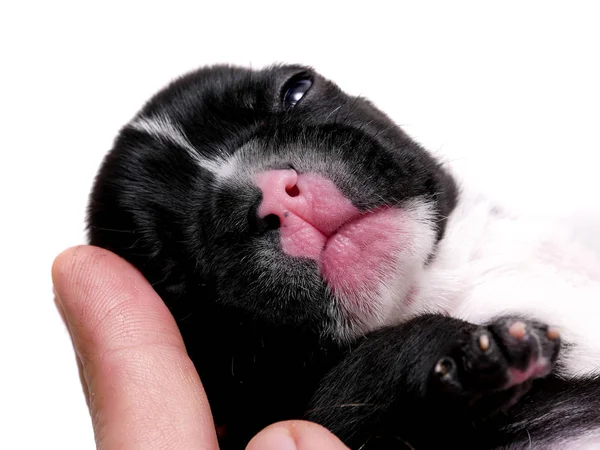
141, 388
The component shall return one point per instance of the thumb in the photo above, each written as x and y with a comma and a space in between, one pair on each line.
142, 389
295, 435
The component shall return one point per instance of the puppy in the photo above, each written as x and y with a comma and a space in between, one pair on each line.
321, 264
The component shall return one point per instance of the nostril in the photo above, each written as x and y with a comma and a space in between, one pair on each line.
292, 191
272, 222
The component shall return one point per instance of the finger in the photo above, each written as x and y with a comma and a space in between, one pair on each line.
78, 361
143, 390
295, 435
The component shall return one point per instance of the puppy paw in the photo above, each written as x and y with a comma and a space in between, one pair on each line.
496, 364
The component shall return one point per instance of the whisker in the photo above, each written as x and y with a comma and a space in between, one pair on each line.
113, 230
332, 112
344, 405
365, 124
336, 114
186, 317
352, 107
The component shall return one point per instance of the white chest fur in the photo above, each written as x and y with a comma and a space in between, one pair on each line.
491, 262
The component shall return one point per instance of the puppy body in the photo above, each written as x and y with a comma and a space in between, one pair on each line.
371, 293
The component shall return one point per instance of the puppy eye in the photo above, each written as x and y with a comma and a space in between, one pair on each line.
295, 91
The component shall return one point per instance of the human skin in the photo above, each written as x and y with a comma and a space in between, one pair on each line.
141, 388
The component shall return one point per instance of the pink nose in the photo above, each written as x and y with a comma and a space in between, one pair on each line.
309, 197
278, 186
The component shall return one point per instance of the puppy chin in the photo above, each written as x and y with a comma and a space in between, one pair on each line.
386, 297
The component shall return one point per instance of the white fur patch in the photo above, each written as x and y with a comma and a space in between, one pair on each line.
492, 263
161, 127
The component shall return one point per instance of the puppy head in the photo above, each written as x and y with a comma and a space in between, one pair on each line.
273, 193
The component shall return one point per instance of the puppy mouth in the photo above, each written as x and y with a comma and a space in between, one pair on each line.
356, 251
360, 254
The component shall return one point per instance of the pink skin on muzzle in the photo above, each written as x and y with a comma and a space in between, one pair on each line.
354, 250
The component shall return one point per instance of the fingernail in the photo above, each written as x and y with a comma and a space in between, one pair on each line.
273, 439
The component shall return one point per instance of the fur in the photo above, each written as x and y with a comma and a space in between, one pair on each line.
428, 341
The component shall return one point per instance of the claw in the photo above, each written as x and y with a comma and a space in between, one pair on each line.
518, 329
443, 367
553, 334
484, 342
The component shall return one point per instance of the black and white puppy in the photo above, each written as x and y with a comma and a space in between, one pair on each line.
321, 264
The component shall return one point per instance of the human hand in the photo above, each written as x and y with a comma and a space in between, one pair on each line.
141, 388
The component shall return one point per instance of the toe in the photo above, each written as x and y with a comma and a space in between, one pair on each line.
518, 329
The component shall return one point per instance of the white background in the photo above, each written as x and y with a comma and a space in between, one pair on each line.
510, 92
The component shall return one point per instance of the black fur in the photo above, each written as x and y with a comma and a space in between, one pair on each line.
257, 323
